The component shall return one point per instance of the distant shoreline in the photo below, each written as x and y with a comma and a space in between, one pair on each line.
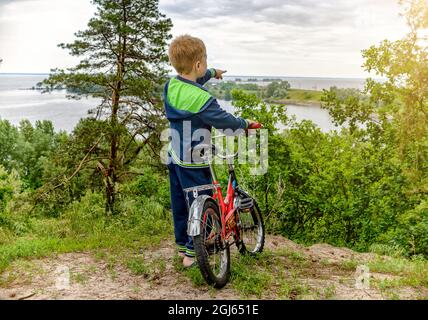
296, 103
225, 77
23, 74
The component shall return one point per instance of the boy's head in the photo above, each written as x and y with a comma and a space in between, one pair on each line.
188, 55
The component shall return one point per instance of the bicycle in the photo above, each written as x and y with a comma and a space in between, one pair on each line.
215, 223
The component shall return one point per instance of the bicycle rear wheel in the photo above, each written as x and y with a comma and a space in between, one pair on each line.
212, 253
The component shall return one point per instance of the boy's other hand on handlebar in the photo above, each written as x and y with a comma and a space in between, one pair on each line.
254, 124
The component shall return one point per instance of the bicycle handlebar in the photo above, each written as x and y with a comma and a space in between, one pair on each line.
213, 149
255, 125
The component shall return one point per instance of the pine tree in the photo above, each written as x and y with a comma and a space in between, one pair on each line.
123, 53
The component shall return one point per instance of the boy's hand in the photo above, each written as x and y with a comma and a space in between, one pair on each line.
219, 74
254, 124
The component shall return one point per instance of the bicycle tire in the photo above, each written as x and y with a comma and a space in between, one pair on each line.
203, 256
244, 247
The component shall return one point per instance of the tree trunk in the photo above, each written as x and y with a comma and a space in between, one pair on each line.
112, 165
111, 175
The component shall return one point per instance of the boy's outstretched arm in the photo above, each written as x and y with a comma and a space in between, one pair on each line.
208, 75
218, 118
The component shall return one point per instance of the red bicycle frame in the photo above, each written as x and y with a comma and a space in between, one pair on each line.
226, 205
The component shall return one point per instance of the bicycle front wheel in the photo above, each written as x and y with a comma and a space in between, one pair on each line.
252, 230
212, 253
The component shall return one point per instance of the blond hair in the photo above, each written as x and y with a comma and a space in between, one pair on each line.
184, 51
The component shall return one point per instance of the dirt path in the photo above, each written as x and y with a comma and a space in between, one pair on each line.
94, 276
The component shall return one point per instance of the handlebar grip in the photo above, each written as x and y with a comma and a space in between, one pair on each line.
255, 125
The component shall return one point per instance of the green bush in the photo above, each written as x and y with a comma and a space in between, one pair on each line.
86, 215
10, 186
347, 188
150, 184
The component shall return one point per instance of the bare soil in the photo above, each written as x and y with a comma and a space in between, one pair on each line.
84, 275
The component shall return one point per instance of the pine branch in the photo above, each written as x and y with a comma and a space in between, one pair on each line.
79, 167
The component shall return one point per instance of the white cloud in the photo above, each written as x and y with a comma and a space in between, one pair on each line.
30, 31
296, 38
269, 37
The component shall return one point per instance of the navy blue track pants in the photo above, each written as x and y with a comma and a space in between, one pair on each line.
181, 178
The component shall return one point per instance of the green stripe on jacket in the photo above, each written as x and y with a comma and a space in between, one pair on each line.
181, 163
185, 96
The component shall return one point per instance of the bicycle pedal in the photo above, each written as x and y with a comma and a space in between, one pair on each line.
245, 203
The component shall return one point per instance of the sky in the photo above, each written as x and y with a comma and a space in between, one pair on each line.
307, 38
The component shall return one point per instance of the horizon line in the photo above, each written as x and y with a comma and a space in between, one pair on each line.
235, 76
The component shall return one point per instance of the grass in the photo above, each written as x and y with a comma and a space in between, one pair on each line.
301, 95
282, 273
84, 226
251, 276
304, 95
138, 266
348, 265
35, 248
279, 274
195, 275
294, 95
391, 288
153, 270
114, 243
112, 248
80, 278
158, 266
21, 272
413, 272
403, 273
329, 292
289, 290
294, 257
265, 275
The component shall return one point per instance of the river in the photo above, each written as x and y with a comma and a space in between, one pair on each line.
17, 103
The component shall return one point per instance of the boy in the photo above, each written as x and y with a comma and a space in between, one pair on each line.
191, 111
